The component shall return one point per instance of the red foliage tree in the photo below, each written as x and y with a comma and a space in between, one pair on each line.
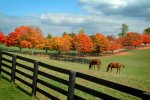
2, 37
114, 46
132, 39
25, 37
83, 43
145, 38
20, 34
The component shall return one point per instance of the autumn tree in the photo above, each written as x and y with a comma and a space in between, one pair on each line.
35, 38
145, 38
67, 43
48, 44
101, 43
20, 34
57, 43
114, 46
111, 38
2, 37
124, 30
83, 43
132, 39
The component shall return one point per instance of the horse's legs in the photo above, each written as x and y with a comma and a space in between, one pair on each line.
98, 67
117, 70
111, 69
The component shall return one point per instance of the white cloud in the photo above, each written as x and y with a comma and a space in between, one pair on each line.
93, 23
113, 3
62, 18
127, 8
105, 16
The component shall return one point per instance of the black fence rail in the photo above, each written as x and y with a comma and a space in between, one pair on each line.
10, 64
70, 59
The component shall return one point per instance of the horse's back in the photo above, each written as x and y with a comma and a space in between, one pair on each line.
114, 65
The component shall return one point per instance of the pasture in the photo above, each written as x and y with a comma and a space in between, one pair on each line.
9, 91
135, 74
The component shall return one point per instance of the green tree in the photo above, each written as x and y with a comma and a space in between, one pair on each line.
81, 31
49, 36
124, 30
147, 30
72, 34
65, 33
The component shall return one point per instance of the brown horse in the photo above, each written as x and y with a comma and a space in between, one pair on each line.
95, 62
115, 65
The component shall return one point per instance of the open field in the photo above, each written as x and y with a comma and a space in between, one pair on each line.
135, 74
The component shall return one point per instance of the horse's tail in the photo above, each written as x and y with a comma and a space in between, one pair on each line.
107, 69
89, 66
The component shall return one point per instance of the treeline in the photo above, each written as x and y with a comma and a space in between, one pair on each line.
32, 37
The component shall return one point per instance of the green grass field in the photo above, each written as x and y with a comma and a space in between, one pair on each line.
8, 91
135, 74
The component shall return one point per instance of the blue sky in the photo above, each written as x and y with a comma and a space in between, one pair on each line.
57, 16
31, 7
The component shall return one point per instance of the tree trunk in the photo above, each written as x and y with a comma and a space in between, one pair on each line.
135, 46
46, 50
32, 50
20, 49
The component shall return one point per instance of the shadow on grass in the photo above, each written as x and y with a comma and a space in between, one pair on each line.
17, 86
5, 78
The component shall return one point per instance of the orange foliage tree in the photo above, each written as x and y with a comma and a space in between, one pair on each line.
25, 37
114, 46
145, 38
48, 44
132, 39
35, 37
83, 43
101, 43
66, 43
57, 43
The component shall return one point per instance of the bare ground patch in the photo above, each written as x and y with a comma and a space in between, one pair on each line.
143, 48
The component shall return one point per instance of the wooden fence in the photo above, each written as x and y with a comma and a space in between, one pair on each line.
12, 70
70, 59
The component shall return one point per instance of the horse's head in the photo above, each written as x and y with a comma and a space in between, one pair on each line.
123, 66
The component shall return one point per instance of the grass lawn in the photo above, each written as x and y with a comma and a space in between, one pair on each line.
8, 91
135, 74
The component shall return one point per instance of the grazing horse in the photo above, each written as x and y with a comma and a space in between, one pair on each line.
115, 65
95, 62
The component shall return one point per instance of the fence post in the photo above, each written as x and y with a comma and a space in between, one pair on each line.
146, 96
13, 68
71, 87
35, 75
0, 61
